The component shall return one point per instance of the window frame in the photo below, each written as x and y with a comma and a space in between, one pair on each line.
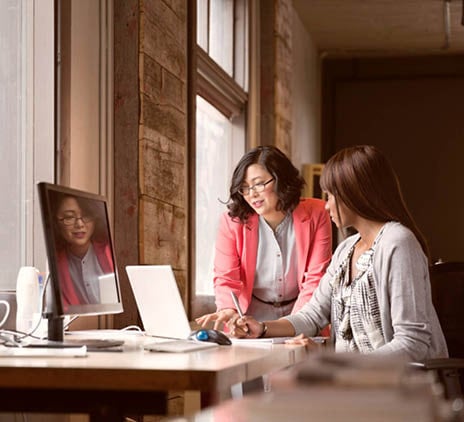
36, 120
215, 85
40, 119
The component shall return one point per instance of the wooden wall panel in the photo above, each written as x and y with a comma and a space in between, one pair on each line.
411, 109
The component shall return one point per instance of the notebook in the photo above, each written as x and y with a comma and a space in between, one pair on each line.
161, 309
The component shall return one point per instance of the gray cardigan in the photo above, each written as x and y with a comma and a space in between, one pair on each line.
400, 269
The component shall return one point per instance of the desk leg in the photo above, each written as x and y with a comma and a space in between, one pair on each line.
211, 398
208, 398
192, 402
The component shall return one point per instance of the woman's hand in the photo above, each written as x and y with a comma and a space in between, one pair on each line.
246, 327
304, 341
224, 316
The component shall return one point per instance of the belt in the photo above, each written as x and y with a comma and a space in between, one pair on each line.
276, 304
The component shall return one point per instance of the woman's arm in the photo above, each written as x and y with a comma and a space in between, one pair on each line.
401, 275
248, 327
227, 275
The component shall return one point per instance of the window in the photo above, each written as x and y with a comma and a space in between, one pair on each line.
221, 145
221, 118
27, 128
85, 96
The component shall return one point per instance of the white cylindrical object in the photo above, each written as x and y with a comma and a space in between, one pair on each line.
27, 298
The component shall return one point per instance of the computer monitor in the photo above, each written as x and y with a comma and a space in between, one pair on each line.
82, 265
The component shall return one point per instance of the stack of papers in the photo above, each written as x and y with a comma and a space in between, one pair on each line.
43, 352
273, 340
266, 340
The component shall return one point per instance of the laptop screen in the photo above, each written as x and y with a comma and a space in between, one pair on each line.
158, 300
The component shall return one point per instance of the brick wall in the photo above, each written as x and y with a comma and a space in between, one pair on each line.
150, 139
163, 134
151, 162
276, 68
283, 72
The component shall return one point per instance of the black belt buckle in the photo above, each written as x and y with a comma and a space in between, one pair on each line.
276, 304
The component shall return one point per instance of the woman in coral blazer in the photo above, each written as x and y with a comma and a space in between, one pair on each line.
272, 247
83, 251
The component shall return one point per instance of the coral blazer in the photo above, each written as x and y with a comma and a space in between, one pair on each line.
69, 295
237, 248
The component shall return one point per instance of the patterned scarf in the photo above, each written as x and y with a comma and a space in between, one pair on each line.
355, 308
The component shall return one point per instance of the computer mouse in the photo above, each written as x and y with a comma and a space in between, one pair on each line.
213, 336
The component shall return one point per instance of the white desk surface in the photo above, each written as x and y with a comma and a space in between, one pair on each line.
108, 385
206, 370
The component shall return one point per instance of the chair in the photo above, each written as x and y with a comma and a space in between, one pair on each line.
447, 282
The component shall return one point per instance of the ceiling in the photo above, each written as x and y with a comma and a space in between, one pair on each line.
383, 27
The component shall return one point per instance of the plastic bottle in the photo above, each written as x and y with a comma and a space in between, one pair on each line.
27, 299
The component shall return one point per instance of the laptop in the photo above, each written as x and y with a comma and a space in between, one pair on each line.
161, 309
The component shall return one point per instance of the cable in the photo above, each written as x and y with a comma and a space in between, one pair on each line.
8, 339
7, 312
132, 328
71, 320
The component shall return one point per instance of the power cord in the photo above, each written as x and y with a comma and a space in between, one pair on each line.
15, 337
7, 311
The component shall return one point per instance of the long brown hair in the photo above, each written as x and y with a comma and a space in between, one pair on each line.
362, 178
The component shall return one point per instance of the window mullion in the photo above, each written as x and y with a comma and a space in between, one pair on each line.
217, 86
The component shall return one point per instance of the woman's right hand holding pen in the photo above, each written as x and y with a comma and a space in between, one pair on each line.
247, 327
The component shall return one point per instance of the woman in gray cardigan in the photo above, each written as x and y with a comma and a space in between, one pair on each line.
376, 291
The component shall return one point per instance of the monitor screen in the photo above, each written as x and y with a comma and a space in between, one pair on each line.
82, 265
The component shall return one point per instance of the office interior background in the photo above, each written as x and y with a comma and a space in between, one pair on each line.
152, 102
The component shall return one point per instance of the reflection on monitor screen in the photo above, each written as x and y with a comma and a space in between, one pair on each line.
83, 273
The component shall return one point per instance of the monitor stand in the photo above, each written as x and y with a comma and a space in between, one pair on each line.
56, 338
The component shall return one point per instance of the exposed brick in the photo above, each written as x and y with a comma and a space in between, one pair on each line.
283, 23
151, 78
162, 234
161, 27
165, 17
162, 87
164, 119
173, 91
179, 7
162, 171
283, 106
166, 49
276, 73
126, 113
283, 134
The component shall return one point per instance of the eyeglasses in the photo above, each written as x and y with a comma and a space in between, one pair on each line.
259, 187
72, 220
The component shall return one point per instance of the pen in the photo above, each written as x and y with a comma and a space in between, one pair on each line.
239, 309
237, 305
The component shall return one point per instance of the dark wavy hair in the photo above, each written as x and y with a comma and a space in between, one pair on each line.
362, 178
88, 207
288, 181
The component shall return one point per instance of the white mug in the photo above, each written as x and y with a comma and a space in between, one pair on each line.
7, 312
